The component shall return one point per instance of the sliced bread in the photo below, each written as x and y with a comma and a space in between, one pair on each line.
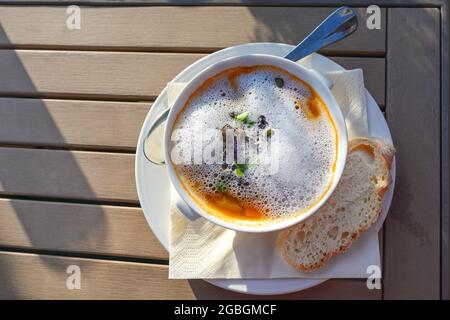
353, 207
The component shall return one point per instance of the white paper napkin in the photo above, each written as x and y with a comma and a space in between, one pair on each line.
201, 249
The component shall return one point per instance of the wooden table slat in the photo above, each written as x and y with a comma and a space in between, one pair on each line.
176, 28
80, 228
118, 75
97, 75
71, 123
44, 277
67, 174
412, 229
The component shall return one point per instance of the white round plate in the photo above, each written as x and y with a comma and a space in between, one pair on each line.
153, 184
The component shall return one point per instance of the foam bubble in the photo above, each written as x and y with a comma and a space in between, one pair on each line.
307, 140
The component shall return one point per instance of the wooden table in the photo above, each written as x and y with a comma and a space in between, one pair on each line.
72, 103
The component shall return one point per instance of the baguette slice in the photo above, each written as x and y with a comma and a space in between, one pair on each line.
353, 207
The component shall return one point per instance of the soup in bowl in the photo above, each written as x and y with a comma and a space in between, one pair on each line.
255, 143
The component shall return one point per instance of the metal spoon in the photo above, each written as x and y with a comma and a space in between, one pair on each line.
337, 26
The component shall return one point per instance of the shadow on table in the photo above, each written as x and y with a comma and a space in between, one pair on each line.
58, 231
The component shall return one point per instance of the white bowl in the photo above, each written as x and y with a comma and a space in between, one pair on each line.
251, 60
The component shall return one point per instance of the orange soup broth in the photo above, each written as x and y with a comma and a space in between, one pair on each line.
226, 206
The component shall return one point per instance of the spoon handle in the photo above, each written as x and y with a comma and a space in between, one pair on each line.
148, 152
338, 25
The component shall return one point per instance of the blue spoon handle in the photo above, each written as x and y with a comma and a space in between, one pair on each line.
338, 25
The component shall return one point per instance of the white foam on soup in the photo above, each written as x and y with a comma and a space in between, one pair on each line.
307, 140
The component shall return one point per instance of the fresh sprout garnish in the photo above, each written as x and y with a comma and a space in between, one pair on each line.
239, 169
244, 119
221, 186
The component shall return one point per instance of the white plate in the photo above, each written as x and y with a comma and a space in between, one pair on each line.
153, 183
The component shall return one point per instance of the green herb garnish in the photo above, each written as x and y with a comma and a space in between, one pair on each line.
244, 119
240, 169
250, 123
221, 186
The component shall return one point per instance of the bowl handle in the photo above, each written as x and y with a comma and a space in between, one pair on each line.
186, 210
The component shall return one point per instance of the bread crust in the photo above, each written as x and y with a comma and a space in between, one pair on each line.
387, 151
